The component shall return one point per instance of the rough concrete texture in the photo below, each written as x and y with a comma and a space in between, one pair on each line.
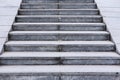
58, 78
66, 68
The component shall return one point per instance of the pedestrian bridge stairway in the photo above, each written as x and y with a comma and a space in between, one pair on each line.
59, 40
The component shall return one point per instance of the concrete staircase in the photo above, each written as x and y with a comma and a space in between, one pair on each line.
59, 40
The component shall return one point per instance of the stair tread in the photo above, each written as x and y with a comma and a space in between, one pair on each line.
58, 23
53, 1
60, 69
59, 32
57, 9
59, 3
59, 42
92, 16
61, 54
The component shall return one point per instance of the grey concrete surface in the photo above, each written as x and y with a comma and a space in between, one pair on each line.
82, 67
79, 69
110, 10
60, 26
55, 58
8, 11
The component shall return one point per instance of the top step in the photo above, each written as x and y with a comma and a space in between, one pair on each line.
56, 1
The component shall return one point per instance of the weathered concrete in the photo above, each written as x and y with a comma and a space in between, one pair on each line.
59, 35
55, 1
61, 6
92, 66
63, 46
59, 11
59, 58
59, 26
59, 19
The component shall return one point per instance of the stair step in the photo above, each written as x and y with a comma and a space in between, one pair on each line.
56, 72
59, 58
58, 35
59, 54
60, 1
59, 26
59, 18
64, 69
62, 46
58, 6
58, 12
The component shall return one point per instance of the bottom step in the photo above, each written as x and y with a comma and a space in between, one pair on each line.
50, 72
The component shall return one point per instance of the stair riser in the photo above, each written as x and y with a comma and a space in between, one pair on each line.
62, 48
64, 37
31, 61
64, 12
56, 6
61, 19
55, 1
31, 77
52, 77
92, 62
85, 77
58, 28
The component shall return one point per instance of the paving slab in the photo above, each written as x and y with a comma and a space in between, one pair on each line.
3, 34
6, 20
10, 3
8, 11
111, 14
110, 10
5, 28
2, 40
108, 3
